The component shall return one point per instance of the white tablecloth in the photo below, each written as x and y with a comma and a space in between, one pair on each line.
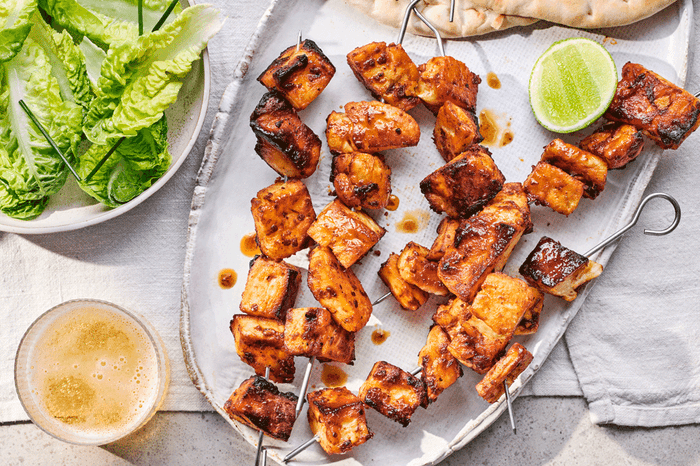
634, 345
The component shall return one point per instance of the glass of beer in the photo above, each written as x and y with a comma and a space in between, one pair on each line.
89, 372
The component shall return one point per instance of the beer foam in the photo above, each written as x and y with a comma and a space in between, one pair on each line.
95, 372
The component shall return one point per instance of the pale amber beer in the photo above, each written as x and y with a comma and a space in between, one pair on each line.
89, 372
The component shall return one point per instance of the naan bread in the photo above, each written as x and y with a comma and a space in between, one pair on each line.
470, 19
475, 17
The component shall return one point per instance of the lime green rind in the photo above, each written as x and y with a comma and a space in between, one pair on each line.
570, 94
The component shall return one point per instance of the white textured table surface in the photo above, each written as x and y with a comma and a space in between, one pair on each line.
551, 430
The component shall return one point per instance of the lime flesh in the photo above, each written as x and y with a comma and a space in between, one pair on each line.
572, 84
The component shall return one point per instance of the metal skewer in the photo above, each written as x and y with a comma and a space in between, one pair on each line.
452, 10
299, 41
304, 386
404, 25
510, 406
260, 436
633, 222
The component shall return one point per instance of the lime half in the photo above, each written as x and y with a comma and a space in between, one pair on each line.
572, 84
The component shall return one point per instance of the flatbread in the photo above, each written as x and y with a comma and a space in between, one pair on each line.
580, 13
475, 17
470, 19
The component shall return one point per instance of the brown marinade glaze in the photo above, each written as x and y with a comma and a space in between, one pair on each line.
284, 138
550, 263
300, 75
465, 185
665, 113
258, 403
387, 72
616, 143
393, 392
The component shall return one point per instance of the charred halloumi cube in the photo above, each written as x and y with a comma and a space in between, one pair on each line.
530, 322
285, 143
440, 368
410, 297
553, 187
455, 130
361, 180
338, 290
507, 369
370, 127
312, 332
271, 288
558, 270
337, 416
480, 332
260, 344
300, 73
393, 392
484, 242
663, 111
472, 341
446, 230
258, 403
349, 233
416, 269
616, 143
387, 72
283, 213
446, 79
464, 185
589, 169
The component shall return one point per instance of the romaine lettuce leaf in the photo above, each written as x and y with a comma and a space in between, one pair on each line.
137, 163
15, 23
30, 169
94, 56
67, 63
141, 78
106, 22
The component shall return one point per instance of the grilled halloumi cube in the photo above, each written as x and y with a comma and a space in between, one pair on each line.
393, 392
484, 242
507, 369
300, 73
338, 290
530, 322
337, 416
663, 111
260, 344
553, 187
589, 169
446, 230
440, 368
446, 79
558, 270
472, 341
416, 269
370, 127
502, 301
387, 72
455, 130
616, 143
312, 332
349, 233
480, 332
258, 403
292, 148
271, 288
361, 180
410, 297
464, 185
283, 213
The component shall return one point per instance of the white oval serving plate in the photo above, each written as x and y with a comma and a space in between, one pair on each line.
232, 173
